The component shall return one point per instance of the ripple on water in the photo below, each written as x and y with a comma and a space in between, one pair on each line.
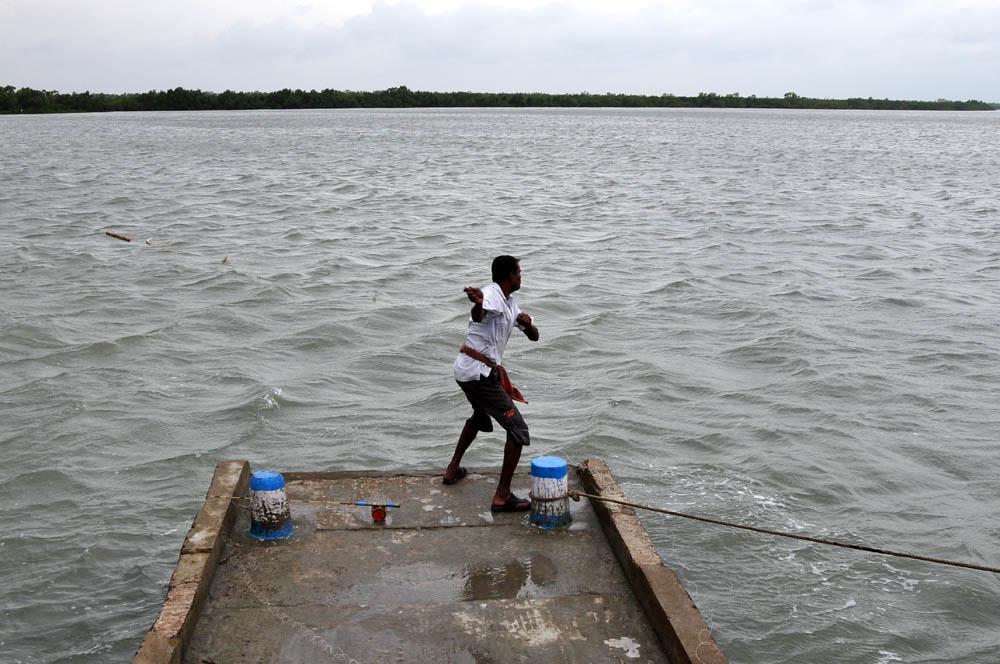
780, 317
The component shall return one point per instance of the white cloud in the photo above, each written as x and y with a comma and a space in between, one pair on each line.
895, 48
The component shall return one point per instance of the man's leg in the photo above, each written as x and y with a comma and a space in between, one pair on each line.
511, 455
490, 401
468, 435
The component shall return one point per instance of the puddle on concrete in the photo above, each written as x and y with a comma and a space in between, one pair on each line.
414, 583
523, 577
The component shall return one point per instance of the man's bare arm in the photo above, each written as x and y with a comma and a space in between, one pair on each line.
529, 329
475, 296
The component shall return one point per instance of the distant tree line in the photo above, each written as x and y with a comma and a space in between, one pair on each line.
28, 100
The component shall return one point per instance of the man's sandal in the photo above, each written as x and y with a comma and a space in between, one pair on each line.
462, 472
513, 504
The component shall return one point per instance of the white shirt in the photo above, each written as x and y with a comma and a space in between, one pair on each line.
490, 336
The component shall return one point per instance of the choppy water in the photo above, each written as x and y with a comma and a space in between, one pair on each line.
784, 318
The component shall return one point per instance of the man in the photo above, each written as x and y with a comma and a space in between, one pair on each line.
477, 369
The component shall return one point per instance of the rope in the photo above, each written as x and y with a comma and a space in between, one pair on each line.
576, 495
357, 503
539, 499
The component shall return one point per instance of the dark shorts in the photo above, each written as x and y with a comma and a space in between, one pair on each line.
489, 400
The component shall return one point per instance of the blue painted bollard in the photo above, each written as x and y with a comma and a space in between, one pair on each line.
270, 518
549, 492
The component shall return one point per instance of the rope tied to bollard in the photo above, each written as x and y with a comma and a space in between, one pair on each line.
576, 495
379, 511
542, 499
356, 503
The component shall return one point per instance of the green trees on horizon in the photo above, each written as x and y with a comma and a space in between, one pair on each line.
28, 100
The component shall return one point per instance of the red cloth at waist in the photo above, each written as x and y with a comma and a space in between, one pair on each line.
505, 383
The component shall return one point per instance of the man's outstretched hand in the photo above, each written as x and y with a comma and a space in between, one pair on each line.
475, 295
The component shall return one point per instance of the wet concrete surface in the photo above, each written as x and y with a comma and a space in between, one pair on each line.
445, 580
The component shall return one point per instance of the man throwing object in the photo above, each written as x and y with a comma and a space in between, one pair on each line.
483, 380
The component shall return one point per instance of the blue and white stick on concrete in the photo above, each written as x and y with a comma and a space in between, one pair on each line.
270, 518
549, 492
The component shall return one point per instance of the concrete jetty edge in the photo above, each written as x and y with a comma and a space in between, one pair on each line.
678, 623
165, 641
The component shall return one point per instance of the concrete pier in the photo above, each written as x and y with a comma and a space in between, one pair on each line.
444, 580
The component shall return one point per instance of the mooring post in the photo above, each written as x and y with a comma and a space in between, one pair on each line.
270, 518
549, 492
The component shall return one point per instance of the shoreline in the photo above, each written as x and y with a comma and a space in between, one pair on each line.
28, 101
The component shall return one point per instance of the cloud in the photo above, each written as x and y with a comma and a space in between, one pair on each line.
895, 48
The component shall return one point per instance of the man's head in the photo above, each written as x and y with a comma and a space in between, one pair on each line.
507, 269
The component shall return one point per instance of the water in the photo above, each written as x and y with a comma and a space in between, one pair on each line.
786, 318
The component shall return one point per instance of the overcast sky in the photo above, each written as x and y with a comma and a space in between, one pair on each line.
913, 49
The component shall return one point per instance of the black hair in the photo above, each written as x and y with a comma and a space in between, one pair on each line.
503, 267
